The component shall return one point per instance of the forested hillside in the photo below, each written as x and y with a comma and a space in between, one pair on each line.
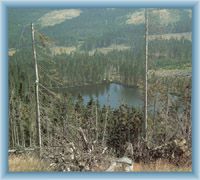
102, 34
90, 46
100, 27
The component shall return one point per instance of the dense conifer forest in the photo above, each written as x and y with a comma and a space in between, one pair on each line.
100, 46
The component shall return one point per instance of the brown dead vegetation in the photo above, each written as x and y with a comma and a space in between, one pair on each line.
26, 163
160, 166
29, 163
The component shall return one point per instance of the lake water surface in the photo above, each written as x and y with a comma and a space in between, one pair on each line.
111, 94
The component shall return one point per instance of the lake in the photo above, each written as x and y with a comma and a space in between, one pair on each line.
112, 94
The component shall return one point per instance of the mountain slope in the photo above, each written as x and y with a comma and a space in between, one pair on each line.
91, 28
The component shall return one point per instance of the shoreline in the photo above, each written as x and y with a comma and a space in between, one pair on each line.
104, 82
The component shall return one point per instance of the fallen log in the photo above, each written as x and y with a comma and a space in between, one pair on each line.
17, 151
121, 164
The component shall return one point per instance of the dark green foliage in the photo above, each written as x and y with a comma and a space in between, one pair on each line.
60, 115
80, 69
182, 24
18, 18
126, 126
170, 54
96, 27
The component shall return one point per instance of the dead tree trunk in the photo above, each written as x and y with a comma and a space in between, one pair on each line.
154, 119
39, 142
97, 134
167, 111
104, 129
84, 139
105, 124
146, 73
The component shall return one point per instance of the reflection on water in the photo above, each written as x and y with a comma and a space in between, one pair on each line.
112, 94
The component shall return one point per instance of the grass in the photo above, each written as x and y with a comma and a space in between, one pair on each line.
160, 166
25, 163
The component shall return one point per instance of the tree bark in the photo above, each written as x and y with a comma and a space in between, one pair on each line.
97, 134
146, 75
39, 141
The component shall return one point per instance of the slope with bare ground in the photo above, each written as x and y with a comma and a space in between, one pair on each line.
177, 36
58, 16
106, 50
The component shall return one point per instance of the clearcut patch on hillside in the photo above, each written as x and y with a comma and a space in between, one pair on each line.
11, 51
177, 36
57, 50
135, 18
58, 16
166, 16
106, 50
